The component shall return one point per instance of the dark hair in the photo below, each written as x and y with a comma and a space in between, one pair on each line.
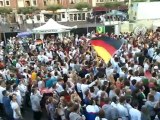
133, 82
91, 102
151, 97
122, 99
11, 97
101, 114
33, 90
4, 92
15, 86
135, 103
107, 100
114, 99
75, 107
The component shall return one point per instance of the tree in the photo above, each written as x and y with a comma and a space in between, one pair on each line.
113, 4
139, 0
82, 5
27, 10
53, 8
5, 13
5, 10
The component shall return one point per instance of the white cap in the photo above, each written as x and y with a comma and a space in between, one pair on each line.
156, 67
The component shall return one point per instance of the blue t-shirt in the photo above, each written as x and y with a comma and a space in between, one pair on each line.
7, 106
50, 82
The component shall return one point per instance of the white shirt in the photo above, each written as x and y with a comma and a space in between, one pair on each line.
151, 52
1, 96
23, 89
138, 79
40, 58
41, 84
134, 114
122, 111
15, 106
92, 109
97, 118
19, 97
85, 87
35, 102
59, 88
49, 54
18, 65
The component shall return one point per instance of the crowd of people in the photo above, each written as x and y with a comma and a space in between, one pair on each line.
105, 18
66, 79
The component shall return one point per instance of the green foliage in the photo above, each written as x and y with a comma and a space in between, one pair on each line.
81, 5
139, 0
27, 10
53, 7
5, 10
113, 4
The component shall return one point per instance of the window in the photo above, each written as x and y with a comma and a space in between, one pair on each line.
7, 3
1, 3
79, 16
34, 2
71, 17
100, 1
27, 3
58, 1
75, 17
45, 3
38, 17
63, 15
83, 16
72, 1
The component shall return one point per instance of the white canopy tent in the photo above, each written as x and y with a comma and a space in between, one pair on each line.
156, 24
52, 27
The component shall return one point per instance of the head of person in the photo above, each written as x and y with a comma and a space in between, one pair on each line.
13, 97
101, 114
135, 104
4, 93
34, 91
107, 100
15, 87
151, 97
122, 99
2, 83
75, 108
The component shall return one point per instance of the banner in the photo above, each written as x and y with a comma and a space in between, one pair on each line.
100, 29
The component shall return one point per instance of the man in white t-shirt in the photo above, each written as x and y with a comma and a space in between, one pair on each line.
16, 108
134, 113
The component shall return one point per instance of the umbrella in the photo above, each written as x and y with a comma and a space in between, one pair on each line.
24, 34
116, 13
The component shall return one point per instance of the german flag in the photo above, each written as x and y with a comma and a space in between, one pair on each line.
106, 47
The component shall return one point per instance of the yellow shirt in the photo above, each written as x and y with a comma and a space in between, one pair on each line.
33, 76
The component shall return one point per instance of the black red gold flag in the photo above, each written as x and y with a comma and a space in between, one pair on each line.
106, 47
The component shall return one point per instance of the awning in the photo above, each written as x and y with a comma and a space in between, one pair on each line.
98, 9
101, 9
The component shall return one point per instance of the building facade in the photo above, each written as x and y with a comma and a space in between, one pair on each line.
8, 3
100, 2
43, 3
